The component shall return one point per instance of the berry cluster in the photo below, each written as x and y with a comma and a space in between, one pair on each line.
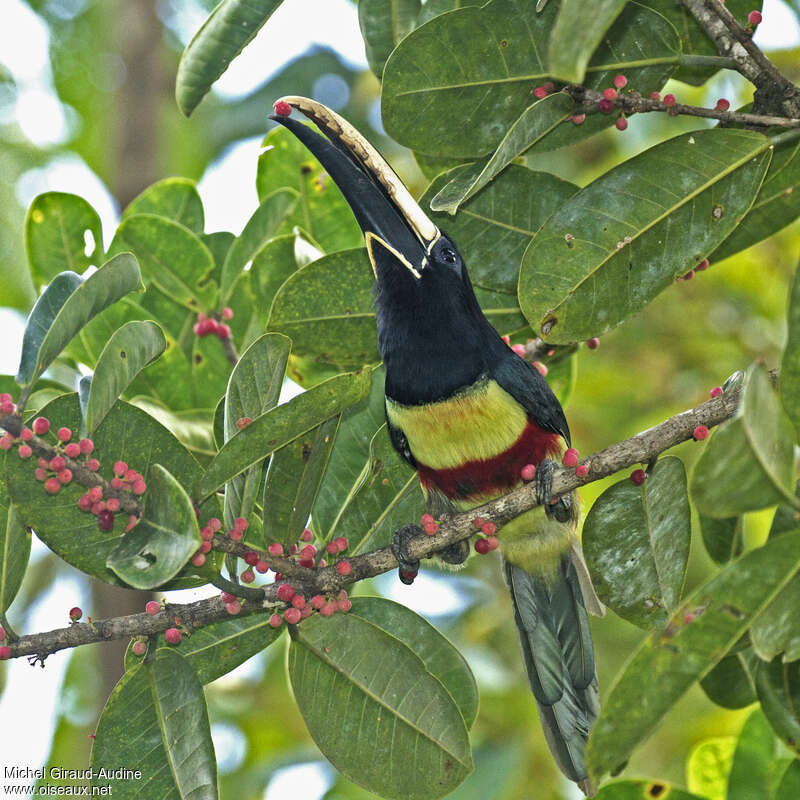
701, 267
207, 325
236, 533
125, 480
299, 608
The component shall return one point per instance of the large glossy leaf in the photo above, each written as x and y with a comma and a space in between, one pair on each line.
253, 388
369, 701
730, 684
749, 463
636, 541
669, 661
535, 122
789, 384
219, 647
493, 228
165, 538
172, 257
126, 434
572, 41
66, 306
272, 265
55, 235
722, 537
441, 659
383, 24
232, 24
128, 352
191, 427
281, 425
321, 211
15, 547
778, 685
628, 235
752, 759
260, 228
708, 766
777, 629
174, 198
448, 92
789, 787
643, 790
292, 482
163, 703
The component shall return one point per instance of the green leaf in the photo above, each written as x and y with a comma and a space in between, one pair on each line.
55, 235
322, 212
260, 228
172, 257
231, 25
174, 198
749, 463
163, 703
281, 425
369, 701
572, 41
166, 383
643, 790
494, 228
778, 686
127, 353
15, 548
253, 388
752, 759
219, 647
669, 661
730, 683
272, 265
536, 121
636, 541
66, 306
610, 249
165, 538
789, 385
292, 482
722, 537
789, 787
448, 92
126, 434
777, 629
708, 767
191, 427
440, 657
383, 24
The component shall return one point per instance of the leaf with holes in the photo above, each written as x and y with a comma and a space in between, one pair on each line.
643, 790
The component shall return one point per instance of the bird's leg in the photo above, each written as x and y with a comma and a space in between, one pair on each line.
407, 567
558, 508
456, 553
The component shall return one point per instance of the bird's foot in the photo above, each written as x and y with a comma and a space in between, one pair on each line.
456, 553
407, 567
558, 508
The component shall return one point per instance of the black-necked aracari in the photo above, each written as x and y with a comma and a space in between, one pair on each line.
468, 414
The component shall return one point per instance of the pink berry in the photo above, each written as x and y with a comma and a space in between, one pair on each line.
226, 597
275, 549
519, 349
344, 567
40, 473
65, 476
261, 566
214, 524
638, 476
131, 475
702, 266
621, 124
112, 504
306, 535
197, 329
341, 543
298, 601
426, 519
489, 528
581, 470
105, 520
139, 487
430, 528
669, 99
620, 81
716, 391
227, 313
97, 507
205, 547
240, 523
285, 592
282, 108
75, 613
206, 533
754, 18
72, 450
41, 425
52, 485
139, 648
173, 636
152, 607
93, 465
223, 331
5, 397
578, 119
610, 94
64, 434
96, 493
307, 562
25, 451
86, 446
57, 463
527, 472
251, 558
328, 610
317, 601
593, 343
233, 608
26, 434
606, 106
482, 546
248, 576
541, 368
723, 104
655, 96
120, 468
331, 548
478, 522
570, 458
275, 621
344, 605
548, 86
5, 652
539, 92
494, 542
700, 433
84, 503
6, 442
292, 616
292, 549
688, 276
7, 407
132, 520
199, 559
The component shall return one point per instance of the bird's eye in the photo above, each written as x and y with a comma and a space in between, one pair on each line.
449, 255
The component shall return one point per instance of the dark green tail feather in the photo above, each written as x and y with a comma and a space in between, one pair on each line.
556, 645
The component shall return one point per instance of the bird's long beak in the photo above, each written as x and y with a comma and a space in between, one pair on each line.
387, 213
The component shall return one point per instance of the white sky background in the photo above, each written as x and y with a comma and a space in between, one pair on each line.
31, 694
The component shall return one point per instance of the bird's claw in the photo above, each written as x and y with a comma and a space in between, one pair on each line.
407, 567
557, 508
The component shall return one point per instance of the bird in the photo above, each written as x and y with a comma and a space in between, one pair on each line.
468, 413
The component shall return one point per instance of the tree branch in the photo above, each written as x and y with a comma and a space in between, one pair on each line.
638, 449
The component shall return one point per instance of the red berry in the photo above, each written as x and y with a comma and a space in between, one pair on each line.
606, 106
240, 523
75, 613
214, 524
5, 397
328, 610
199, 559
226, 597
206, 533
478, 522
227, 313
430, 528
331, 548
248, 576
716, 391
97, 507
722, 104
84, 503
292, 616
688, 276
282, 108
593, 343
5, 653
702, 266
6, 442
86, 446
112, 504
754, 18
655, 96
548, 86
292, 549
539, 92
285, 592
7, 407
527, 472
237, 536
139, 486
205, 547
57, 463
197, 329
341, 543
152, 607
578, 119
307, 562
620, 81
306, 535
132, 520
610, 94
233, 608
96, 493
105, 520
243, 422
482, 546
64, 434
581, 470
251, 558
65, 476
26, 434
72, 450
426, 519
52, 485
139, 647
519, 349
120, 468
570, 458
261, 566
308, 551
131, 475
638, 476
700, 433
494, 542
93, 465
41, 425
344, 567
669, 99
541, 368
344, 605
275, 621
298, 601
621, 124
489, 528
40, 473
25, 451
173, 636
2, 633
223, 331
275, 549
318, 601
